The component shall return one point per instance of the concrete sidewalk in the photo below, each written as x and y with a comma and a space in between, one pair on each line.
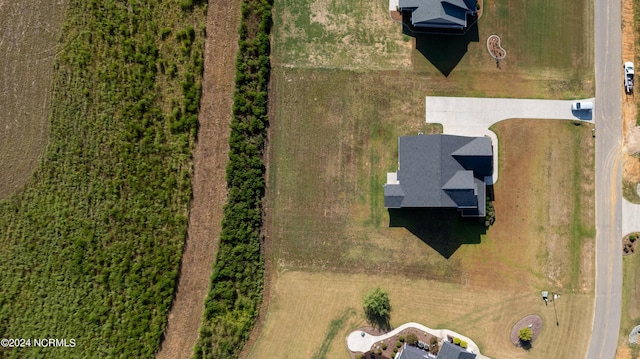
471, 116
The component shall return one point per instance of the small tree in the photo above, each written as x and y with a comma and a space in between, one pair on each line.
377, 306
525, 334
412, 339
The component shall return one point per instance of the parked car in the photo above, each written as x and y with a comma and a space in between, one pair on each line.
628, 77
582, 106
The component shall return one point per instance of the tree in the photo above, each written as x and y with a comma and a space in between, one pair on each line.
377, 306
525, 334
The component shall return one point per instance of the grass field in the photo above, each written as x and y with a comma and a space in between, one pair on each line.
327, 215
346, 83
326, 202
360, 36
312, 313
29, 34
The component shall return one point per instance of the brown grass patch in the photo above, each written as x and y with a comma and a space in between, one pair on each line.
29, 33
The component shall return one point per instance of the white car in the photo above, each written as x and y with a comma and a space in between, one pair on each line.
628, 77
582, 106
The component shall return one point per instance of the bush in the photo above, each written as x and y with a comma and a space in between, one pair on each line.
401, 339
456, 341
412, 339
632, 238
384, 346
360, 356
525, 334
395, 350
490, 216
398, 344
463, 344
379, 351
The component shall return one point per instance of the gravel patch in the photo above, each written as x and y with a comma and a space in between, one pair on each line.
535, 321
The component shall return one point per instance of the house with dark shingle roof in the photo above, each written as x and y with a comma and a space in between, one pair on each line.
453, 16
452, 351
441, 171
447, 351
409, 352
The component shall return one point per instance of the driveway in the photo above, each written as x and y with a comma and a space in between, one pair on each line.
470, 116
630, 216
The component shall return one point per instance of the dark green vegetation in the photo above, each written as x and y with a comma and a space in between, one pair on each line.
91, 249
237, 280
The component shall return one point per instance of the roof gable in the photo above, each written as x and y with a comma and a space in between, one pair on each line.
409, 352
460, 180
479, 146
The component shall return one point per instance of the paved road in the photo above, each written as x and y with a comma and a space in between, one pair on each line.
608, 116
470, 116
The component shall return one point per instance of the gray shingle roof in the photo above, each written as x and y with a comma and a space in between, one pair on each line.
451, 351
441, 13
430, 175
409, 352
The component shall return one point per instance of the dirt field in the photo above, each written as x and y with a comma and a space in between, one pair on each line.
29, 33
312, 313
209, 185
